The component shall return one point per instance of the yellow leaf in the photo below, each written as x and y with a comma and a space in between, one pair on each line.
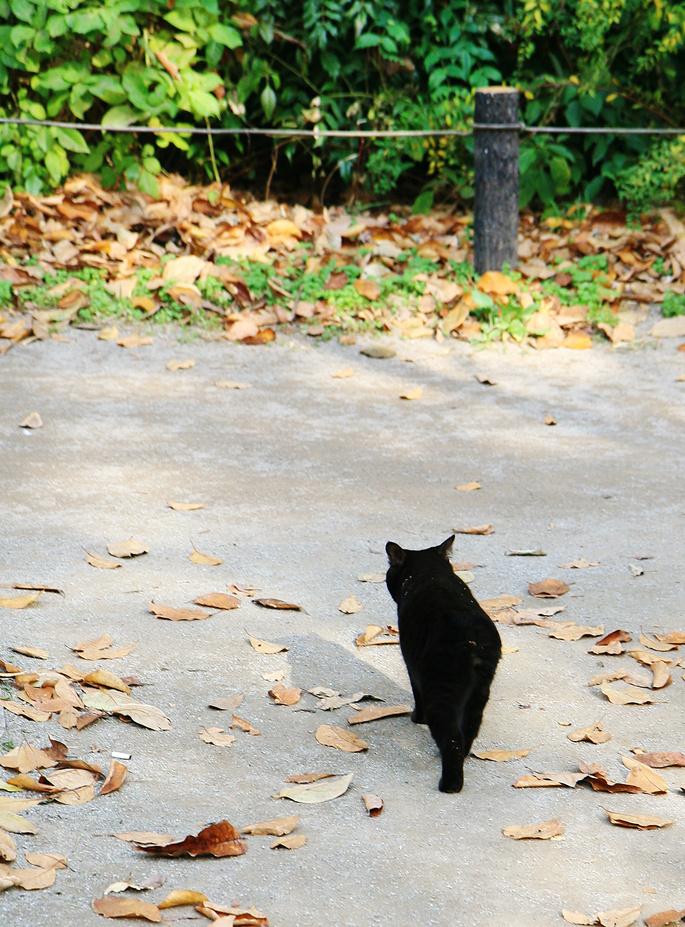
20, 601
180, 897
367, 288
180, 365
264, 646
350, 606
186, 506
204, 559
294, 842
412, 394
102, 563
501, 756
544, 831
469, 487
108, 334
346, 741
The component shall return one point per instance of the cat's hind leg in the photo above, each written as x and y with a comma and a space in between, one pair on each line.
418, 715
473, 710
444, 705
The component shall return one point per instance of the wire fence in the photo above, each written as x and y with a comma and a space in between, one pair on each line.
340, 133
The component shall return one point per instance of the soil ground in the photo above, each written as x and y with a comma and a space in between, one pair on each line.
305, 478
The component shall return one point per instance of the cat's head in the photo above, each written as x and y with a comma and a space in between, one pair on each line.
402, 561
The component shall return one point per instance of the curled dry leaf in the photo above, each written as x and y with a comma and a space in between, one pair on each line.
231, 384
25, 711
283, 695
103, 677
416, 393
673, 637
529, 552
501, 756
102, 563
126, 907
36, 652
115, 778
218, 600
312, 793
215, 735
367, 288
110, 333
177, 614
644, 777
371, 577
8, 848
376, 635
640, 821
500, 602
306, 778
32, 421
27, 757
119, 704
548, 589
623, 917
670, 918
204, 559
265, 646
294, 842
228, 704
376, 712
144, 838
244, 726
181, 365
595, 734
221, 839
278, 603
379, 351
574, 632
133, 341
186, 506
661, 760
343, 374
15, 824
662, 676
373, 804
179, 897
274, 677
350, 606
100, 649
469, 487
628, 696
278, 827
19, 601
611, 644
130, 548
478, 529
346, 741
579, 564
659, 646
544, 831
485, 380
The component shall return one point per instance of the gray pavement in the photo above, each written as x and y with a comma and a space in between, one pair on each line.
305, 478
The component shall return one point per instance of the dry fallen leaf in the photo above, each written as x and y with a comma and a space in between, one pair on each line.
283, 695
278, 604
15, 824
416, 393
371, 577
670, 918
102, 563
548, 420
214, 735
306, 778
608, 677
108, 334
595, 734
180, 365
278, 827
343, 374
501, 756
373, 804
346, 741
130, 548
315, 792
100, 649
661, 760
574, 632
644, 777
177, 614
367, 288
579, 564
501, 601
673, 637
628, 696
230, 384
186, 506
221, 839
35, 652
479, 529
181, 897
126, 907
548, 589
8, 848
376, 712
20, 601
485, 380
133, 341
144, 838
611, 644
659, 646
469, 487
350, 606
119, 704
244, 726
265, 646
294, 842
32, 421
115, 778
103, 677
27, 757
204, 559
228, 704
218, 600
640, 821
544, 831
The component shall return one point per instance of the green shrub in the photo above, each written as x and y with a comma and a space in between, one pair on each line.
673, 304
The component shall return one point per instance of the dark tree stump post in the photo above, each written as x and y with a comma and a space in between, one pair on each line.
496, 157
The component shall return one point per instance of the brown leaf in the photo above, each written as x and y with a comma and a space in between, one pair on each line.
278, 603
502, 601
115, 778
373, 577
244, 726
221, 839
350, 606
673, 637
130, 548
180, 897
177, 614
416, 393
231, 384
595, 734
228, 704
469, 487
611, 644
376, 712
497, 283
374, 635
659, 646
20, 601
549, 420
306, 778
640, 821
661, 760
204, 559
25, 711
578, 341
608, 677
262, 337
501, 756
544, 831
343, 740
32, 421
366, 288
662, 676
479, 529
31, 879
34, 652
180, 365
218, 600
343, 374
145, 838
133, 341
548, 589
126, 907
294, 842
574, 632
102, 563
186, 506
25, 758
644, 777
573, 917
214, 735
373, 804
278, 827
668, 918
100, 649
265, 646
8, 848
579, 564
47, 860
283, 695
627, 696
103, 677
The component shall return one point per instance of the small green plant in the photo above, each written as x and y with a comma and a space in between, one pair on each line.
673, 304
656, 178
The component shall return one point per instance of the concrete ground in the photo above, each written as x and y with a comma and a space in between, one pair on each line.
305, 478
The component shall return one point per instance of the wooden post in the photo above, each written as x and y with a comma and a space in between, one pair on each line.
496, 161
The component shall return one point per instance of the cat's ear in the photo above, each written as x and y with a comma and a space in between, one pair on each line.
446, 547
396, 555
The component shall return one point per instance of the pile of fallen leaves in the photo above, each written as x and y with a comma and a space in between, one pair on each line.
244, 268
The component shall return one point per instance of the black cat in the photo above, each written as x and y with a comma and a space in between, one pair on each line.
451, 648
